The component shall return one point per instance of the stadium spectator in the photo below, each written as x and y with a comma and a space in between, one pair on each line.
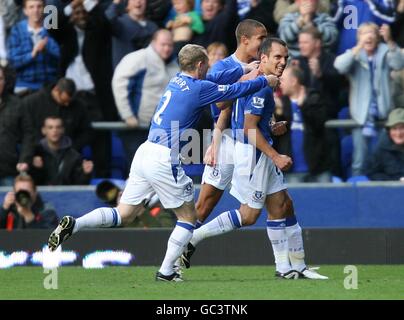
368, 66
305, 111
184, 24
319, 74
282, 7
131, 31
216, 51
158, 10
85, 41
57, 100
219, 21
352, 13
398, 35
16, 133
292, 23
11, 12
398, 26
55, 161
32, 51
387, 161
23, 208
138, 83
259, 10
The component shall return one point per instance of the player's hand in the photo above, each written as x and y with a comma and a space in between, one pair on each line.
9, 200
251, 75
252, 66
37, 162
273, 81
282, 161
279, 128
132, 122
87, 166
209, 158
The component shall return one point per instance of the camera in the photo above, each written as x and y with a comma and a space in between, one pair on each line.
108, 192
23, 198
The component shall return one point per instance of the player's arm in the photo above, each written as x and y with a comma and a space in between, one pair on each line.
229, 76
255, 137
211, 92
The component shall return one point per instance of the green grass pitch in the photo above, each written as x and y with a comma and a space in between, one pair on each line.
207, 283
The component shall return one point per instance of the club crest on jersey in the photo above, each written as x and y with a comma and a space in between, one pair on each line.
215, 173
258, 102
223, 87
258, 196
189, 189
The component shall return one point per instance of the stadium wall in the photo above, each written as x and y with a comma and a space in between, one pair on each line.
343, 205
134, 247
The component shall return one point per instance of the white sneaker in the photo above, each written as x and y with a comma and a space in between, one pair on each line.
311, 274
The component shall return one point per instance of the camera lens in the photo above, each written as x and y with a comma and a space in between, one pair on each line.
23, 198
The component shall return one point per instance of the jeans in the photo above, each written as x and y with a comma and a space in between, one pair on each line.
362, 148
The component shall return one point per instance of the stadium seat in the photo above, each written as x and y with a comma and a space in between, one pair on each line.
119, 166
193, 170
336, 179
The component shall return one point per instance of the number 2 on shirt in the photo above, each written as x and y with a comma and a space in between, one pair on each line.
157, 119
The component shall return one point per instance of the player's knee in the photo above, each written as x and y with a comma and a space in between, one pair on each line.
288, 208
282, 210
128, 215
248, 217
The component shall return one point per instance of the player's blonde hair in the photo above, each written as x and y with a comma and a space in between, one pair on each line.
190, 55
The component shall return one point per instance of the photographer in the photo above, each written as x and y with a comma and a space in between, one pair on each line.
23, 208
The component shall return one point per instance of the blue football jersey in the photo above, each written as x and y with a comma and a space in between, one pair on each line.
262, 104
184, 99
227, 63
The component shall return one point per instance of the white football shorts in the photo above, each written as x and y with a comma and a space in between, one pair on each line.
255, 176
151, 171
221, 174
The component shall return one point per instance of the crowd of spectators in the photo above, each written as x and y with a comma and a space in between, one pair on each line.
110, 60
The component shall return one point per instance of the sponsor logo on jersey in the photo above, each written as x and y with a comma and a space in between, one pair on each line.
258, 102
223, 87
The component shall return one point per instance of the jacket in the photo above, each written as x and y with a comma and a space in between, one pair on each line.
315, 147
387, 161
45, 217
139, 82
15, 130
357, 70
40, 105
63, 167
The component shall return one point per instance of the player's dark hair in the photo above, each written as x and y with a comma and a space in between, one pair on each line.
313, 31
67, 86
247, 28
190, 55
266, 45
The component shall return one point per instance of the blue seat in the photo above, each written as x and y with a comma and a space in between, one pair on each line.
193, 170
119, 166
